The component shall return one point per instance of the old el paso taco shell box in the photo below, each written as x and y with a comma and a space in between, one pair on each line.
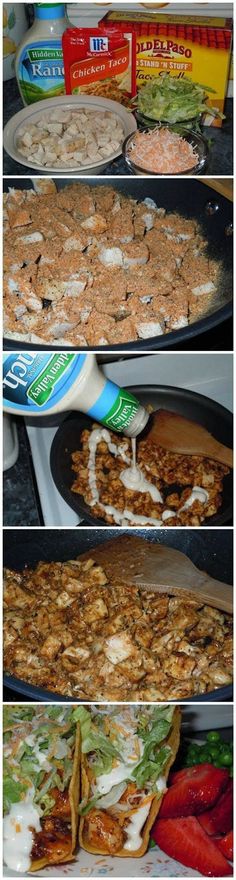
180, 45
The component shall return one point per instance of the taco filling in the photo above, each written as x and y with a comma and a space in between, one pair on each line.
126, 755
40, 786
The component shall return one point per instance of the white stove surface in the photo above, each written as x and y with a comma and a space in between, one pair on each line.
207, 374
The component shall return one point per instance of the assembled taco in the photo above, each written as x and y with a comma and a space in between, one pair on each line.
126, 755
41, 778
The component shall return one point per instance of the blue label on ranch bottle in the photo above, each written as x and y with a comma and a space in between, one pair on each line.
41, 71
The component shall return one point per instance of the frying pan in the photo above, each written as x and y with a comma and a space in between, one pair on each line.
194, 406
210, 550
193, 200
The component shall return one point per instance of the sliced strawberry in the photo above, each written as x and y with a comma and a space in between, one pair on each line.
226, 845
178, 775
195, 792
184, 840
219, 820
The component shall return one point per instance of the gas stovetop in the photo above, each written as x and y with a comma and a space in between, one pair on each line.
210, 375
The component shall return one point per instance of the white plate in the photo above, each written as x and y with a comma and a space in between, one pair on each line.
154, 864
33, 112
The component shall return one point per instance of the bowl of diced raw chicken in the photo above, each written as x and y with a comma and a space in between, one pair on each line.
76, 133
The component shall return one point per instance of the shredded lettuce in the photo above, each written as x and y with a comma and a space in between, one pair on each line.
98, 742
86, 806
46, 805
153, 737
82, 716
148, 717
154, 727
12, 715
101, 763
67, 771
12, 791
151, 766
55, 712
95, 741
22, 760
168, 99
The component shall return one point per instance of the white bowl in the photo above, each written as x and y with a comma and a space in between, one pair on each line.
33, 112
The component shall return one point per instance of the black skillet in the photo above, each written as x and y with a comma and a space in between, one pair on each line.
200, 409
193, 200
211, 550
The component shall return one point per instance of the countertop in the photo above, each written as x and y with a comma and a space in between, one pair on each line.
21, 504
221, 142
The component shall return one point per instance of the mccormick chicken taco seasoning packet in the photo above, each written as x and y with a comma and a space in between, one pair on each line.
181, 46
101, 62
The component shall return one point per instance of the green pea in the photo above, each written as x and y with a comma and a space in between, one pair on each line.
203, 758
225, 759
213, 736
213, 751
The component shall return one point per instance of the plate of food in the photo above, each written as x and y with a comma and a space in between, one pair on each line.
172, 477
90, 791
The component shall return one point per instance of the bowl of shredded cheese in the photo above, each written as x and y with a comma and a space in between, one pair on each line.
162, 151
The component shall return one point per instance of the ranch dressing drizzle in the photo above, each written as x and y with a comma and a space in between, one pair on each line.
18, 834
133, 829
119, 516
197, 494
132, 478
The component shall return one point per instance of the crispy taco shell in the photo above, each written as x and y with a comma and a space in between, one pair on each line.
65, 853
172, 740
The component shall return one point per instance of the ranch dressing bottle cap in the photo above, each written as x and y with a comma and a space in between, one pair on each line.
59, 9
40, 383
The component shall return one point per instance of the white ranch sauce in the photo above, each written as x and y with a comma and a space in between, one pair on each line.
132, 478
17, 837
118, 774
132, 751
134, 839
197, 494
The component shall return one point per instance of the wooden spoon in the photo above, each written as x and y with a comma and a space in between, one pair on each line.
181, 435
155, 567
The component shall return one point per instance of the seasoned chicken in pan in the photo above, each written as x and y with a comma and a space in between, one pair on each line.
66, 628
179, 489
89, 266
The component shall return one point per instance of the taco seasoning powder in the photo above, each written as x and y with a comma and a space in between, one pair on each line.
100, 62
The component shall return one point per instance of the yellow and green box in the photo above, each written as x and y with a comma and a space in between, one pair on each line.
180, 45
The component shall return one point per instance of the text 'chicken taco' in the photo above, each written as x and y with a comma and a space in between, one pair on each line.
41, 779
126, 755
